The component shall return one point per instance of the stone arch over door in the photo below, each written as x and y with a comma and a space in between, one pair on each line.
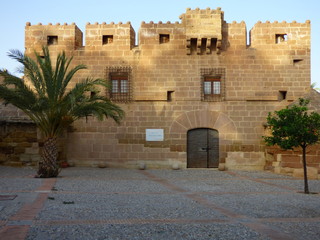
203, 119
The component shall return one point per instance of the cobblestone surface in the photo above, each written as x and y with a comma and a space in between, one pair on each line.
91, 203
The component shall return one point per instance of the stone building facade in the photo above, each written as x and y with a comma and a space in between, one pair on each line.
196, 92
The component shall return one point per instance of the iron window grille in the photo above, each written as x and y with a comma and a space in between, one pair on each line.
119, 79
212, 84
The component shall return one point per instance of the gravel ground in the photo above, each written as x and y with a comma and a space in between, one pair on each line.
93, 203
146, 232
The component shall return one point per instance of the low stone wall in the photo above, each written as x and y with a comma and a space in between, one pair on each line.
19, 144
290, 162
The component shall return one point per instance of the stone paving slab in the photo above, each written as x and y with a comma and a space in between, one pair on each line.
93, 203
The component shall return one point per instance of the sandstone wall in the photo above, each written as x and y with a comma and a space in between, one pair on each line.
166, 84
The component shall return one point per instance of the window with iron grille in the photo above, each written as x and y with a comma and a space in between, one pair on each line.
213, 84
119, 80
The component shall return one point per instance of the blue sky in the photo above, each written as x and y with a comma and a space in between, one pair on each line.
15, 13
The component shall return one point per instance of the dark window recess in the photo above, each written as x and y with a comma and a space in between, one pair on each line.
92, 94
164, 38
281, 38
193, 45
52, 40
282, 95
213, 46
213, 84
107, 39
170, 96
297, 61
201, 46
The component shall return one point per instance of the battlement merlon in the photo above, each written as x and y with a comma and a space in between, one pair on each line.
66, 36
292, 34
156, 33
101, 36
203, 23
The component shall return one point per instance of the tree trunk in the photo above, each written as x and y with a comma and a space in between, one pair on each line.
48, 165
304, 161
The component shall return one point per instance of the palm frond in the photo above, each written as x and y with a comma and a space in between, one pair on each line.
47, 100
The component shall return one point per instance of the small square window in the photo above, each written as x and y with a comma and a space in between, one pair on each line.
107, 39
52, 40
281, 38
164, 38
282, 95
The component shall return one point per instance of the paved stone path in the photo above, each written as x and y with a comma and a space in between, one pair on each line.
91, 203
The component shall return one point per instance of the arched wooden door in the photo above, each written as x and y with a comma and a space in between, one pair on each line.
202, 148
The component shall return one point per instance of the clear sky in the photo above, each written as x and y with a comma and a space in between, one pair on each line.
15, 13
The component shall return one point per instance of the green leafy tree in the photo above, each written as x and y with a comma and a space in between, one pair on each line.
51, 103
294, 127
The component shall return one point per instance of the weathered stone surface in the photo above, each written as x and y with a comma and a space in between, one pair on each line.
166, 74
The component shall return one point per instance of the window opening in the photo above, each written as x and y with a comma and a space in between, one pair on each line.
120, 87
193, 45
281, 38
52, 40
282, 95
164, 38
297, 61
107, 39
213, 46
170, 96
119, 83
213, 84
203, 45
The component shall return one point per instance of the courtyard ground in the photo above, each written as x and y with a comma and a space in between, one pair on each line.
94, 203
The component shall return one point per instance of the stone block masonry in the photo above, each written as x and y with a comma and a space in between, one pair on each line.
198, 73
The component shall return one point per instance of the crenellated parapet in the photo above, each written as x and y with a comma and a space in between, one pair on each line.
269, 33
200, 32
159, 33
109, 36
56, 36
203, 30
234, 35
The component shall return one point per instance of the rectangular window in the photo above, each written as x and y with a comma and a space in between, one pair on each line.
52, 40
107, 39
281, 38
119, 83
213, 84
164, 38
119, 78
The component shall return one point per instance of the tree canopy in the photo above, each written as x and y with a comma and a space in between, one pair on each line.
294, 126
48, 98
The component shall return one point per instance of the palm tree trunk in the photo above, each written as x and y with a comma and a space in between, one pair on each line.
48, 165
304, 161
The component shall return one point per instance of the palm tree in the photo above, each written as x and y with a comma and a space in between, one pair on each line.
51, 103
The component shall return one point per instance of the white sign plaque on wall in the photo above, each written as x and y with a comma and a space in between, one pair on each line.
154, 135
